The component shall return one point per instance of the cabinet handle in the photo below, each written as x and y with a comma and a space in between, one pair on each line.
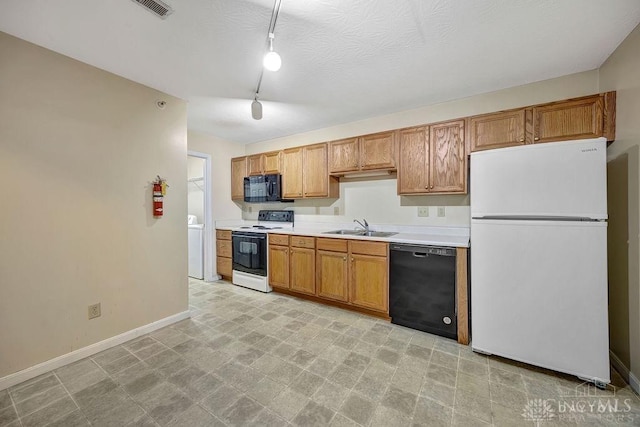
521, 140
537, 138
352, 260
344, 258
432, 186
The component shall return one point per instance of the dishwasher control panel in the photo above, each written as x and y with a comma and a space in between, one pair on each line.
427, 250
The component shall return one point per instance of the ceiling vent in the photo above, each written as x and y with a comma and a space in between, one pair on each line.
157, 7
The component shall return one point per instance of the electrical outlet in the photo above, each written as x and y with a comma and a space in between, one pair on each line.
336, 210
423, 210
94, 311
441, 211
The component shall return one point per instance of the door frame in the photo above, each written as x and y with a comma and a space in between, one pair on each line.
209, 249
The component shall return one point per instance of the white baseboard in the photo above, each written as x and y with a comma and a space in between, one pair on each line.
81, 353
624, 371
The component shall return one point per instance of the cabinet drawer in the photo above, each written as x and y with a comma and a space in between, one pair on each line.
224, 266
303, 242
369, 248
334, 245
223, 234
279, 239
223, 248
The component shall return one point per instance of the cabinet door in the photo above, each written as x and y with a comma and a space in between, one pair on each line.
292, 173
497, 130
279, 266
302, 270
224, 266
576, 119
255, 164
344, 155
369, 284
315, 174
448, 158
271, 162
332, 275
378, 151
413, 168
238, 172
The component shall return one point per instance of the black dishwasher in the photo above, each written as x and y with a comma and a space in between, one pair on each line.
422, 288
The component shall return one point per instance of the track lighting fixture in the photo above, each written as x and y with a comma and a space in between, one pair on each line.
271, 61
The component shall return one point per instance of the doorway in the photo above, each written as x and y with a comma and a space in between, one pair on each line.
199, 209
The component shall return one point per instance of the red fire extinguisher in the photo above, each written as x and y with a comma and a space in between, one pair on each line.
159, 190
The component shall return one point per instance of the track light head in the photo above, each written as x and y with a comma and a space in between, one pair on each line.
256, 109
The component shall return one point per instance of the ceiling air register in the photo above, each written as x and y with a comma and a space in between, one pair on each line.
156, 7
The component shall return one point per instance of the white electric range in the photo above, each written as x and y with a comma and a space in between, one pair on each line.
250, 252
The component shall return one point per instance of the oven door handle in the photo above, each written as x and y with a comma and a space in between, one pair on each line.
257, 236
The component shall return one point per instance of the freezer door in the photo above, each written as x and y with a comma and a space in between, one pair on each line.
553, 179
539, 294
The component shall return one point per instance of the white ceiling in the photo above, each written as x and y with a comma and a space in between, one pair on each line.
342, 60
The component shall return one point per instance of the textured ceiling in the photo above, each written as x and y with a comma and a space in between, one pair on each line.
342, 60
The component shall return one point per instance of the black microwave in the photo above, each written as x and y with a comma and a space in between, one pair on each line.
263, 188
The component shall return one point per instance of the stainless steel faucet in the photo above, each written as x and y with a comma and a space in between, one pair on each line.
365, 226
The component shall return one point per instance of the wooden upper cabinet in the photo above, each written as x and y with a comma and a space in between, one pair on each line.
315, 175
255, 164
316, 179
292, 173
238, 172
264, 163
433, 159
574, 119
578, 118
378, 151
413, 168
497, 130
344, 155
271, 162
448, 159
368, 152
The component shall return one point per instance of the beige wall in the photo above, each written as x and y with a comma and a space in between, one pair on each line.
78, 149
377, 200
621, 72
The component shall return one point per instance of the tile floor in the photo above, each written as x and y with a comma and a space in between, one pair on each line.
252, 359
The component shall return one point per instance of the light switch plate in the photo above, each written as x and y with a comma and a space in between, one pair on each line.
423, 211
441, 211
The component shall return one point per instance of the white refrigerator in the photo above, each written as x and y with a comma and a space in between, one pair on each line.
539, 256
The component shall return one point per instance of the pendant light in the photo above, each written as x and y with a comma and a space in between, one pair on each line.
256, 109
272, 60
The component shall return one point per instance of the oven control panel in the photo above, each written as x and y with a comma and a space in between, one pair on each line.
275, 216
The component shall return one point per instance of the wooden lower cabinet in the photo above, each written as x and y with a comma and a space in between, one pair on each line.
224, 252
279, 266
332, 275
350, 272
302, 272
369, 282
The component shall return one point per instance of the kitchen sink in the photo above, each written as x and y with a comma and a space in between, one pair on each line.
350, 232
361, 233
378, 233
